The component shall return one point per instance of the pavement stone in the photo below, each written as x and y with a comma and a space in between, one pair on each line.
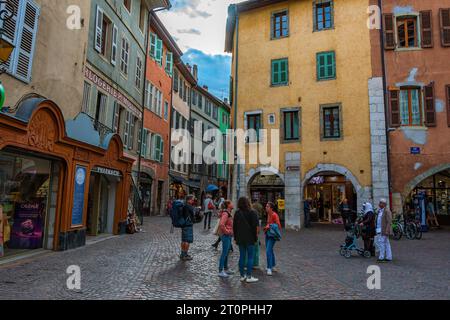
146, 266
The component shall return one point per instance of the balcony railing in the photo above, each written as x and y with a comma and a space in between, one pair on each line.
102, 129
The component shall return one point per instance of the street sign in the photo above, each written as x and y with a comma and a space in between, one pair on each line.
415, 150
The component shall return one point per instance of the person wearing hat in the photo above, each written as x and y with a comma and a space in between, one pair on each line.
384, 230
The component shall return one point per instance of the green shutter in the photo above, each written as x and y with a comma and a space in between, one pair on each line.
326, 66
280, 72
161, 150
153, 39
169, 63
296, 125
275, 72
159, 50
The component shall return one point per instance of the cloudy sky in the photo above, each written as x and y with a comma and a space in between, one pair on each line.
198, 26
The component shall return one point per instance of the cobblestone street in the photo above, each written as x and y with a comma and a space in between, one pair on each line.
146, 266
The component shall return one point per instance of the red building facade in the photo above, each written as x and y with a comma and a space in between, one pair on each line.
155, 135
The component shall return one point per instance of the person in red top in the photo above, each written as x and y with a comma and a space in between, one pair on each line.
226, 234
272, 218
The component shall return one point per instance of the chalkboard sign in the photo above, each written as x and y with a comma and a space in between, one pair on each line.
78, 196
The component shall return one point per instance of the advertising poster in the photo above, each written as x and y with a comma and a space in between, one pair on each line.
27, 230
78, 196
1, 232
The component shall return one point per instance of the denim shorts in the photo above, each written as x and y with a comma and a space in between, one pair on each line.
187, 234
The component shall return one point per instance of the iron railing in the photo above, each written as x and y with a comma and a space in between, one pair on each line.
102, 129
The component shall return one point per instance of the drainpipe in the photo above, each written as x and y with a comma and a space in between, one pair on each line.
386, 100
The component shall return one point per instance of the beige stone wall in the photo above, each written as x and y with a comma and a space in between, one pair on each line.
58, 61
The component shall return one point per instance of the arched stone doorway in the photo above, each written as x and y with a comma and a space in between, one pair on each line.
344, 182
326, 191
435, 184
267, 187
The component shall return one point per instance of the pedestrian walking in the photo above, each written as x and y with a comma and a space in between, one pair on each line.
245, 230
368, 228
226, 234
272, 219
384, 231
209, 208
187, 231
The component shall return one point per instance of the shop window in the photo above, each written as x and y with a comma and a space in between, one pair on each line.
280, 24
323, 15
26, 184
331, 122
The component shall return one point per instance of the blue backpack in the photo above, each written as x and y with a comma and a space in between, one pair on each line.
176, 213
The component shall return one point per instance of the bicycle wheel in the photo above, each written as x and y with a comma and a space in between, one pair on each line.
418, 232
410, 231
397, 233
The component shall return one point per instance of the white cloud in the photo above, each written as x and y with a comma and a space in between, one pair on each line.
206, 16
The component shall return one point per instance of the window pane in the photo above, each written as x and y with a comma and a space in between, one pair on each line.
404, 112
402, 35
411, 33
415, 107
296, 125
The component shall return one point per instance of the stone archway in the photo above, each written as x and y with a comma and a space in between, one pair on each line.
363, 193
414, 182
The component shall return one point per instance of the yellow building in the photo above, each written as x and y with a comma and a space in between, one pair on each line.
305, 68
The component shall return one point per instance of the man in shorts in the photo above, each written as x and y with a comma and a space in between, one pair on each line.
187, 232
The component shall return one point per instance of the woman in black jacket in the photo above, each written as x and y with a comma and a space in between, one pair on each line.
245, 229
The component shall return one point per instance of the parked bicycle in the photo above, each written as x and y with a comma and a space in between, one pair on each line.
410, 227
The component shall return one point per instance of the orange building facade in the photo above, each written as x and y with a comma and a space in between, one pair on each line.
46, 177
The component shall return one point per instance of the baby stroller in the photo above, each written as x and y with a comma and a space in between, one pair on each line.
351, 242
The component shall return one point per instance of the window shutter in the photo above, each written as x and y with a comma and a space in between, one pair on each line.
131, 134
275, 72
10, 28
114, 45
447, 90
27, 32
152, 45
99, 30
388, 25
445, 26
395, 108
161, 150
426, 22
430, 110
127, 129
169, 63
116, 117
159, 50
175, 81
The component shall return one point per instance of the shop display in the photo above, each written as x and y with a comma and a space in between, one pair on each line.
28, 224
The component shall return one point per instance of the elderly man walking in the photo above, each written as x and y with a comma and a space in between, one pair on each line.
384, 230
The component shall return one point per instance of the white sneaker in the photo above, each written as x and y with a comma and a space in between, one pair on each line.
223, 274
243, 278
269, 272
251, 280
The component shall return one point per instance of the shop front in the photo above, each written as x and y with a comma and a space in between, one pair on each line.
436, 189
46, 174
326, 191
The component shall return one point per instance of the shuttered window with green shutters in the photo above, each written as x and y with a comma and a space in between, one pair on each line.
326, 66
280, 72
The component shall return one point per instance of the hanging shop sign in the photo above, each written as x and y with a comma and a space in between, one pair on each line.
78, 196
27, 229
415, 150
109, 172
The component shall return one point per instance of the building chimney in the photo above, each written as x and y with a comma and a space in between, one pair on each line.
189, 67
195, 72
205, 87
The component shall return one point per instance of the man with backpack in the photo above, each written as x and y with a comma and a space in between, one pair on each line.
182, 215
